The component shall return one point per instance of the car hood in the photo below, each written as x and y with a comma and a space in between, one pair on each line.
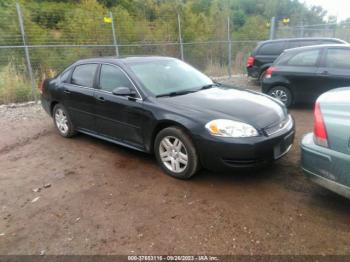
246, 106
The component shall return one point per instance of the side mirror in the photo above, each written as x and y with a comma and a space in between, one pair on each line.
123, 91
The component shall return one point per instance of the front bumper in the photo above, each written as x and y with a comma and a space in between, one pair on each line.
223, 154
325, 167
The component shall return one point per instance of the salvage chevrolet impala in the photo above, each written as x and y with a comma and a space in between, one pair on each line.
164, 106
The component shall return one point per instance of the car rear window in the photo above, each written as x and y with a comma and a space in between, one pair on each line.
83, 75
338, 58
305, 58
274, 48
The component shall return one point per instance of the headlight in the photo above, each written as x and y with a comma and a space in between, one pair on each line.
230, 128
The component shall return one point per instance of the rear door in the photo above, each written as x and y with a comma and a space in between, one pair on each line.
335, 68
301, 71
79, 96
118, 117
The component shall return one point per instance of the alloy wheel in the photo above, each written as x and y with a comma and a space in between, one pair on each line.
280, 95
61, 121
173, 154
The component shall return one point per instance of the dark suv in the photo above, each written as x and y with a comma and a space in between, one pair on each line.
300, 75
266, 52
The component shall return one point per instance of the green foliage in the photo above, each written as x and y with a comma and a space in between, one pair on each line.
14, 86
81, 22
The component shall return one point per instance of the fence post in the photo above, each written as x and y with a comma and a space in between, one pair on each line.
26, 50
229, 41
301, 32
180, 37
273, 28
114, 35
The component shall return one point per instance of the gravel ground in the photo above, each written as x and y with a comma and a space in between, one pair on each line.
86, 196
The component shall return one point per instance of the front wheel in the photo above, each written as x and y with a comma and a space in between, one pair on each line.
176, 153
282, 94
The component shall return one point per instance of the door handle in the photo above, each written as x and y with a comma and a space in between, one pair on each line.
100, 98
324, 73
66, 91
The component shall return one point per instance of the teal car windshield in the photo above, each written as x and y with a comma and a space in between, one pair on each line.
169, 76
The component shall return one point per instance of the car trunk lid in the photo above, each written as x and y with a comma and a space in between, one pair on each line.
335, 109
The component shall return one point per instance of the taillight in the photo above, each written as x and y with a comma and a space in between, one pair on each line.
269, 72
41, 87
250, 61
320, 132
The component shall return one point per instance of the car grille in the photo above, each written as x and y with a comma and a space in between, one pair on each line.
285, 124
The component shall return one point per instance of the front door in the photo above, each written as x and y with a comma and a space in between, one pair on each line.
335, 69
118, 117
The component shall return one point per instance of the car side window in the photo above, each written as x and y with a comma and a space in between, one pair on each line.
305, 58
83, 75
64, 76
112, 77
274, 48
338, 58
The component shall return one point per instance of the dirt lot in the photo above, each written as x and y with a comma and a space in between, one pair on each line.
105, 199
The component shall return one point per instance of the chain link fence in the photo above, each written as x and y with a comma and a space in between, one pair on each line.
29, 53
341, 31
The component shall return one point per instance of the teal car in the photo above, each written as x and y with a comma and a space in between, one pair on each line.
325, 157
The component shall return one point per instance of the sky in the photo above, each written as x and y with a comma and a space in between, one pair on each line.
339, 8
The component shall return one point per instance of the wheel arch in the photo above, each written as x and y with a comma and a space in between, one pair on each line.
52, 105
164, 124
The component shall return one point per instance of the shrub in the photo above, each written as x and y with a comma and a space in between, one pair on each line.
14, 86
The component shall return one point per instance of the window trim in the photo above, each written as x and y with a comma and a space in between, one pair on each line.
123, 71
94, 78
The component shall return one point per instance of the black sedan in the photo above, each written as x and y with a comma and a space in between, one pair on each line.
164, 106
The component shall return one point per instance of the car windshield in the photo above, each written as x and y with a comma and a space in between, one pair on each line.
170, 77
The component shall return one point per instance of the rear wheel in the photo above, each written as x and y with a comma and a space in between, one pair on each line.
262, 76
176, 153
62, 121
282, 94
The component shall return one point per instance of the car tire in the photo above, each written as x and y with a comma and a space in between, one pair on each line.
176, 153
62, 121
262, 76
282, 94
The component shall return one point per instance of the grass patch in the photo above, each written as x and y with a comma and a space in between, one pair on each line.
14, 86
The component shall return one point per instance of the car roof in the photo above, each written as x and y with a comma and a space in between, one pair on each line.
124, 60
303, 38
296, 49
